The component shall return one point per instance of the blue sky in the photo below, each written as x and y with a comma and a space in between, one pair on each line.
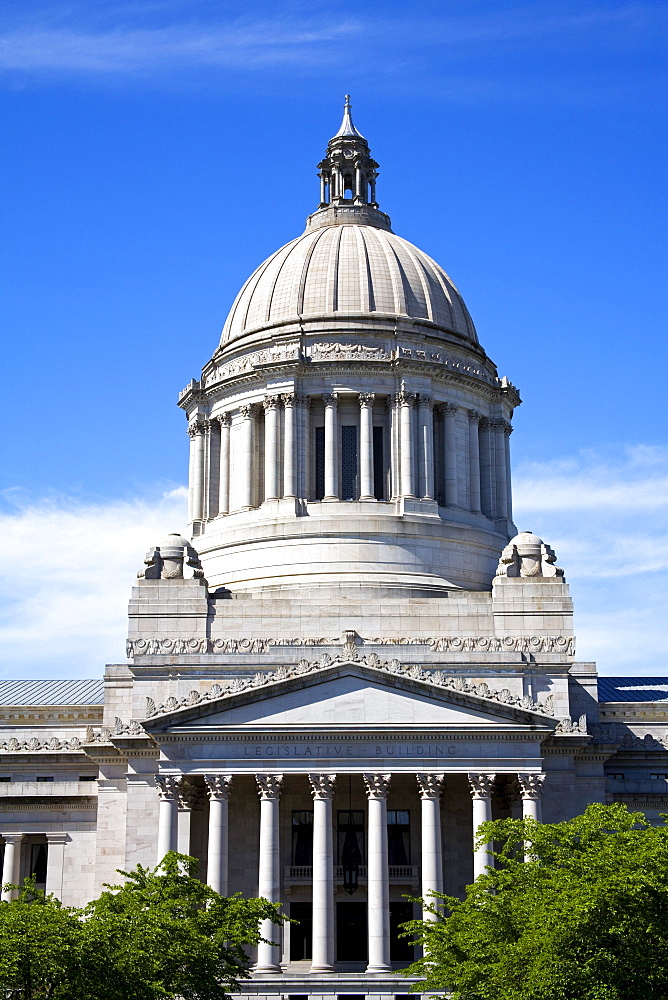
155, 152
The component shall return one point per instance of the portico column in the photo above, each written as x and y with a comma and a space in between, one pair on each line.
430, 786
474, 461
11, 866
322, 789
531, 790
426, 455
331, 447
245, 465
378, 886
196, 432
289, 437
169, 786
405, 401
187, 800
366, 445
269, 880
55, 862
450, 456
218, 788
481, 787
271, 448
224, 473
500, 462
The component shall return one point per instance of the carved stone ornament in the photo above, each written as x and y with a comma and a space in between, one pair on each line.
169, 786
218, 786
474, 416
481, 786
225, 419
531, 785
430, 785
173, 559
404, 398
271, 402
377, 785
330, 399
197, 427
248, 410
526, 556
568, 727
269, 786
366, 398
426, 401
35, 745
322, 785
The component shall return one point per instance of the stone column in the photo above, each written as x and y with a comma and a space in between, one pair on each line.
531, 790
218, 788
331, 447
303, 445
196, 431
430, 786
450, 453
55, 863
378, 884
481, 787
426, 453
474, 460
289, 454
224, 473
11, 866
271, 447
366, 446
186, 803
169, 786
322, 789
323, 183
405, 401
487, 468
244, 467
269, 881
509, 500
499, 428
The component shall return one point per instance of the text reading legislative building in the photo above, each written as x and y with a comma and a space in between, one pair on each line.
356, 659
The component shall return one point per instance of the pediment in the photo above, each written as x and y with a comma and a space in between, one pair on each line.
348, 693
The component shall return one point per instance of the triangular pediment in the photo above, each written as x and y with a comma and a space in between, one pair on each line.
348, 693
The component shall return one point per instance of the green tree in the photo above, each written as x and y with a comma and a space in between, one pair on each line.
584, 917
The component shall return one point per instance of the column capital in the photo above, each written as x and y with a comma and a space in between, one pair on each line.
449, 407
330, 399
474, 416
224, 419
218, 786
290, 399
12, 838
197, 427
531, 785
426, 401
322, 785
366, 398
248, 410
481, 785
269, 786
486, 424
169, 786
377, 785
271, 402
430, 785
404, 398
56, 838
190, 796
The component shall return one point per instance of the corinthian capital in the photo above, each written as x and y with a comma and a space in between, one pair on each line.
322, 785
330, 399
426, 401
366, 398
475, 417
248, 410
481, 786
430, 785
531, 785
218, 786
271, 402
405, 398
196, 427
169, 786
224, 419
377, 785
269, 786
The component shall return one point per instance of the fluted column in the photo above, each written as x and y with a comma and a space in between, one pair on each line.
269, 880
474, 460
224, 468
430, 786
245, 463
196, 431
271, 447
331, 446
509, 486
169, 786
487, 464
11, 866
289, 438
303, 445
450, 454
426, 453
499, 430
378, 886
366, 446
481, 787
218, 787
531, 790
322, 789
406, 401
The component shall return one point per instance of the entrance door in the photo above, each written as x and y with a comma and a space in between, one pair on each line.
351, 941
400, 949
300, 934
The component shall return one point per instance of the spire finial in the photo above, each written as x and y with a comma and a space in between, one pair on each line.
347, 127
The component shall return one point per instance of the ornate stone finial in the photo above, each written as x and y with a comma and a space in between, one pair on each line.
430, 785
377, 785
169, 786
152, 567
322, 785
481, 786
174, 559
531, 785
528, 556
269, 786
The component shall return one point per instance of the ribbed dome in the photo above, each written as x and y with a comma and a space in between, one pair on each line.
343, 270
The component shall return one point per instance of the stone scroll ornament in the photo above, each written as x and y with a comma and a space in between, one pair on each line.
526, 556
173, 559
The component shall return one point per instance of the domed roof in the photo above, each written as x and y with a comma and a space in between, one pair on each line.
340, 270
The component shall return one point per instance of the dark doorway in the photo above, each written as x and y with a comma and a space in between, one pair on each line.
351, 932
400, 949
300, 934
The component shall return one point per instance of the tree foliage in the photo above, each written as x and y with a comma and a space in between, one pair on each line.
584, 917
161, 934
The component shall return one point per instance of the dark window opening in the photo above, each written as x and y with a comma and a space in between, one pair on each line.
350, 837
44, 778
398, 836
5, 777
351, 932
38, 861
400, 948
378, 464
348, 186
87, 777
349, 489
301, 933
659, 777
319, 463
302, 837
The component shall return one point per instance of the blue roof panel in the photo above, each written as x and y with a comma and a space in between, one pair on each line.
87, 691
633, 689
